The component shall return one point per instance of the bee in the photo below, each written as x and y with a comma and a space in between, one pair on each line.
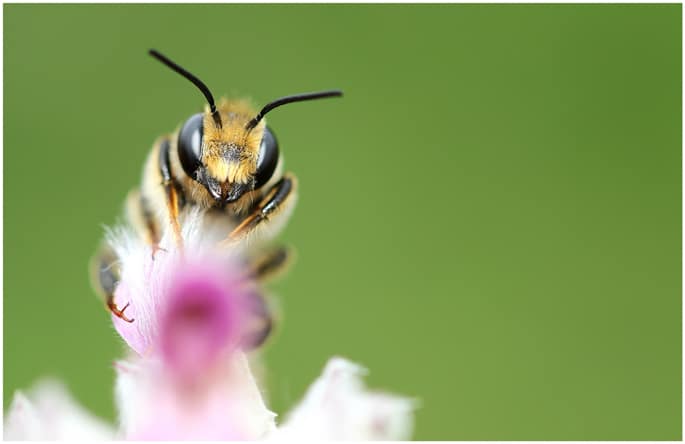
225, 161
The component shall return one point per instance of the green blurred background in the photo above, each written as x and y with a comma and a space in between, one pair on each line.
490, 220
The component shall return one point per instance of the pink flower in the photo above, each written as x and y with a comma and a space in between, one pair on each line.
173, 285
188, 376
193, 382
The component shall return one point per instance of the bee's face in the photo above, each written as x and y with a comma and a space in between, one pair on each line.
228, 161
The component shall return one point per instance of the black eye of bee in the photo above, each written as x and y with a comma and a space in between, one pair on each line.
190, 144
267, 159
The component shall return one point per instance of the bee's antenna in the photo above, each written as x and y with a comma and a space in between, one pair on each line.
197, 82
290, 99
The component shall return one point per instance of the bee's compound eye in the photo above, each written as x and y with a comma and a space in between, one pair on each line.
268, 158
190, 144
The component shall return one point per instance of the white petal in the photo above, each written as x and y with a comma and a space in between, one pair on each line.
228, 406
50, 413
338, 407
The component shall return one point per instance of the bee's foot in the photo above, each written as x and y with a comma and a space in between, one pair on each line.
119, 312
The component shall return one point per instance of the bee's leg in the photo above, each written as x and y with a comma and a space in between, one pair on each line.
260, 326
262, 267
278, 199
140, 216
105, 276
270, 263
171, 189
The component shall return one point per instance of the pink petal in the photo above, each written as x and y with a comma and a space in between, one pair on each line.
50, 413
226, 405
338, 407
204, 315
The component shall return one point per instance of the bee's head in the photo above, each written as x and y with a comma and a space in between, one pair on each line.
230, 150
227, 159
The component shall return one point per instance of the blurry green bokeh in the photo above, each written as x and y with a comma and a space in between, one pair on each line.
490, 220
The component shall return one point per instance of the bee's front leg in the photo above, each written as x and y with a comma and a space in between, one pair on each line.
269, 263
278, 200
139, 215
171, 190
